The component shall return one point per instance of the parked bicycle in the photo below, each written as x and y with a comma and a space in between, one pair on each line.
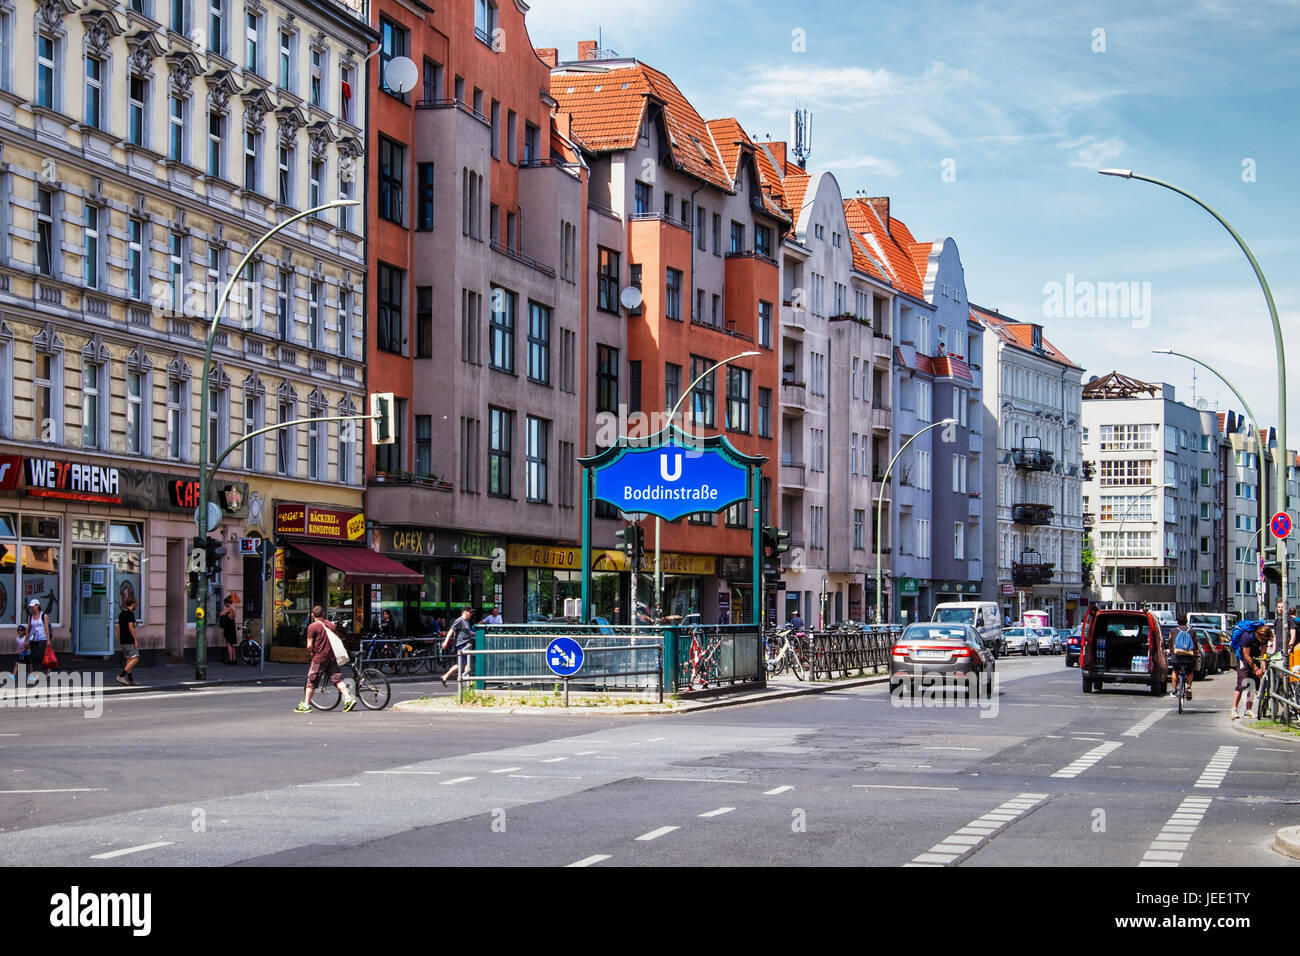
783, 652
249, 650
367, 684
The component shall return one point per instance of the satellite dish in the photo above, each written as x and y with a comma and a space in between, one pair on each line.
400, 75
630, 298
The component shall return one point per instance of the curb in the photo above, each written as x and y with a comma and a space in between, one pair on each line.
112, 687
1287, 842
786, 694
1262, 734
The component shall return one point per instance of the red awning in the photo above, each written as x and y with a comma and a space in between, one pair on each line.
361, 565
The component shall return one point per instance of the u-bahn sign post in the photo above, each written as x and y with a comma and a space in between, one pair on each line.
671, 474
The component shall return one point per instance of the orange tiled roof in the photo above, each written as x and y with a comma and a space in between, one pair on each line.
892, 244
732, 141
608, 108
950, 366
920, 253
863, 260
1018, 333
767, 171
796, 188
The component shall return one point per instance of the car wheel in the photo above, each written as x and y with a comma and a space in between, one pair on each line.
1087, 685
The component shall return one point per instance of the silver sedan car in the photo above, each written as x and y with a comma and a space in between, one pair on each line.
953, 650
1021, 640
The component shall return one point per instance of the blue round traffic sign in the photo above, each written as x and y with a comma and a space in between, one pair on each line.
564, 656
1281, 524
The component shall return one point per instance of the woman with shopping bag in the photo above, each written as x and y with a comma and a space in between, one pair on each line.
38, 638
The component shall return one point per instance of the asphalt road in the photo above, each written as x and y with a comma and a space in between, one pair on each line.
1048, 776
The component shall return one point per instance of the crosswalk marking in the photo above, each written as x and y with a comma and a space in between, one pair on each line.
1087, 760
1217, 769
975, 834
1171, 843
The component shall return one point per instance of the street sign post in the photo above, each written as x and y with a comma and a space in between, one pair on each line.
1281, 525
564, 656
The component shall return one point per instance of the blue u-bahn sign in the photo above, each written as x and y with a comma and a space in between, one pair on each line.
672, 481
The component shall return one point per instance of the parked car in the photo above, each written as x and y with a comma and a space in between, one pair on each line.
1222, 649
1123, 647
1073, 645
984, 616
956, 650
1209, 656
1049, 640
1020, 640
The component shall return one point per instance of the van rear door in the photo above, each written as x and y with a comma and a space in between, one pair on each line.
1085, 638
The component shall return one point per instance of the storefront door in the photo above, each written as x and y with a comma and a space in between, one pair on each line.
92, 626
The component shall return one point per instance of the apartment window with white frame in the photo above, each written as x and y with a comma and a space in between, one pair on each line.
924, 393
48, 73
217, 27
137, 416
923, 471
216, 144
537, 434
285, 163
47, 385
176, 140
959, 405
345, 322
94, 95
90, 257
319, 75
316, 431
923, 538
959, 541
137, 110
178, 419
287, 71
286, 442
347, 442
254, 416
252, 158
853, 454
347, 182
315, 330
176, 270
284, 306
92, 384
47, 233
135, 259
252, 42
959, 474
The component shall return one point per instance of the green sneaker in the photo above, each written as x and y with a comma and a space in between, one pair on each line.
302, 708
349, 704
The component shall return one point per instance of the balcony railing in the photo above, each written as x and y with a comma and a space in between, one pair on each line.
1027, 574
701, 323
1031, 514
1033, 459
520, 257
449, 102
421, 481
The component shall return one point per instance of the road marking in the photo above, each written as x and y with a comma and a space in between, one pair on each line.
555, 759
583, 753
1087, 760
351, 784
895, 786
131, 849
1217, 768
718, 812
588, 861
61, 790
536, 776
16, 735
448, 783
434, 772
1144, 724
656, 834
694, 779
773, 793
976, 749
507, 769
975, 834
1170, 844
654, 739
1275, 750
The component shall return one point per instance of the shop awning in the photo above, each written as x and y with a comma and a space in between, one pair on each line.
361, 565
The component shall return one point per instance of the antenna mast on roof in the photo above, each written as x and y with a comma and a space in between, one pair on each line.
801, 136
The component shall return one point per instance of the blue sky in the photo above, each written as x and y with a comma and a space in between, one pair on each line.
1020, 103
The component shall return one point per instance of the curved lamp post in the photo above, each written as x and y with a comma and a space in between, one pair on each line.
1254, 421
1280, 459
880, 508
1120, 530
205, 471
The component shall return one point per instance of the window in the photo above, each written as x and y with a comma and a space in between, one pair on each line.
179, 21
606, 379
315, 328
737, 237
424, 444
388, 328
47, 71
717, 234
424, 200
319, 61
700, 238
764, 412
737, 515
642, 199
392, 160
45, 234
392, 43
607, 280
817, 442
959, 474
469, 451
285, 444
485, 21
135, 259
702, 397
923, 538
853, 454
923, 471
817, 527
532, 140
924, 391
568, 361
91, 383
469, 326
216, 137
252, 152
673, 298
347, 178
537, 435
859, 525
539, 343
90, 248
252, 34
512, 137
316, 431
218, 421
47, 378
1128, 438
1132, 472
672, 385
137, 97
287, 71
765, 324
959, 405
763, 241
136, 397
738, 399
424, 321
501, 424
495, 126
254, 400
501, 331
959, 541
178, 418
471, 204
176, 270
315, 173
431, 79
347, 442
285, 163
284, 306
94, 92
217, 27
715, 315
176, 129
345, 322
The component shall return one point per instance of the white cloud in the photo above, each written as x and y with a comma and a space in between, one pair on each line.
1093, 153
882, 167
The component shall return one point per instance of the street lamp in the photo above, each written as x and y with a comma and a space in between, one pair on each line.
1259, 601
206, 472
1282, 453
880, 508
1253, 420
1119, 531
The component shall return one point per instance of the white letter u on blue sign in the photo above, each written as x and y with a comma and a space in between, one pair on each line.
663, 466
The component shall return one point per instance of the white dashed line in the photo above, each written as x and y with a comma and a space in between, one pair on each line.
1088, 759
61, 790
975, 834
773, 793
655, 739
975, 749
718, 812
537, 776
1217, 768
448, 783
1168, 847
693, 779
584, 753
590, 860
350, 784
507, 769
1144, 724
554, 759
418, 772
894, 786
656, 834
131, 849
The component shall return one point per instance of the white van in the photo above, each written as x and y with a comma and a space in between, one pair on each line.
984, 616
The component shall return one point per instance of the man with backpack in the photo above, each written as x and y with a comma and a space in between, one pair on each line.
1184, 658
1248, 641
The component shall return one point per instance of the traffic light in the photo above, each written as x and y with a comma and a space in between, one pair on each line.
199, 556
633, 538
383, 418
639, 537
214, 551
1273, 572
773, 547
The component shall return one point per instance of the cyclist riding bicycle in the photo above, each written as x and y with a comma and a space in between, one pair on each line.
1184, 658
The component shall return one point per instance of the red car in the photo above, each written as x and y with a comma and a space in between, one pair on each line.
1123, 647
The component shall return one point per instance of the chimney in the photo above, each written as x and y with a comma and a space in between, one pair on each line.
777, 150
549, 55
587, 49
881, 205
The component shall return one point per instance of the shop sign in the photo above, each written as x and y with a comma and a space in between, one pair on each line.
734, 568
467, 545
74, 481
151, 491
11, 469
412, 541
1008, 589
1072, 595
329, 524
909, 586
958, 587
603, 559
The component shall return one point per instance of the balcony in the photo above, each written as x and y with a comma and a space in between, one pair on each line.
1024, 575
520, 257
876, 486
881, 347
793, 474
1031, 514
793, 317
976, 506
794, 395
976, 442
404, 478
1033, 459
882, 418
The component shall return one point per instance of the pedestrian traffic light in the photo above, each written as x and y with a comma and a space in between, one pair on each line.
773, 547
628, 537
639, 538
383, 418
214, 551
